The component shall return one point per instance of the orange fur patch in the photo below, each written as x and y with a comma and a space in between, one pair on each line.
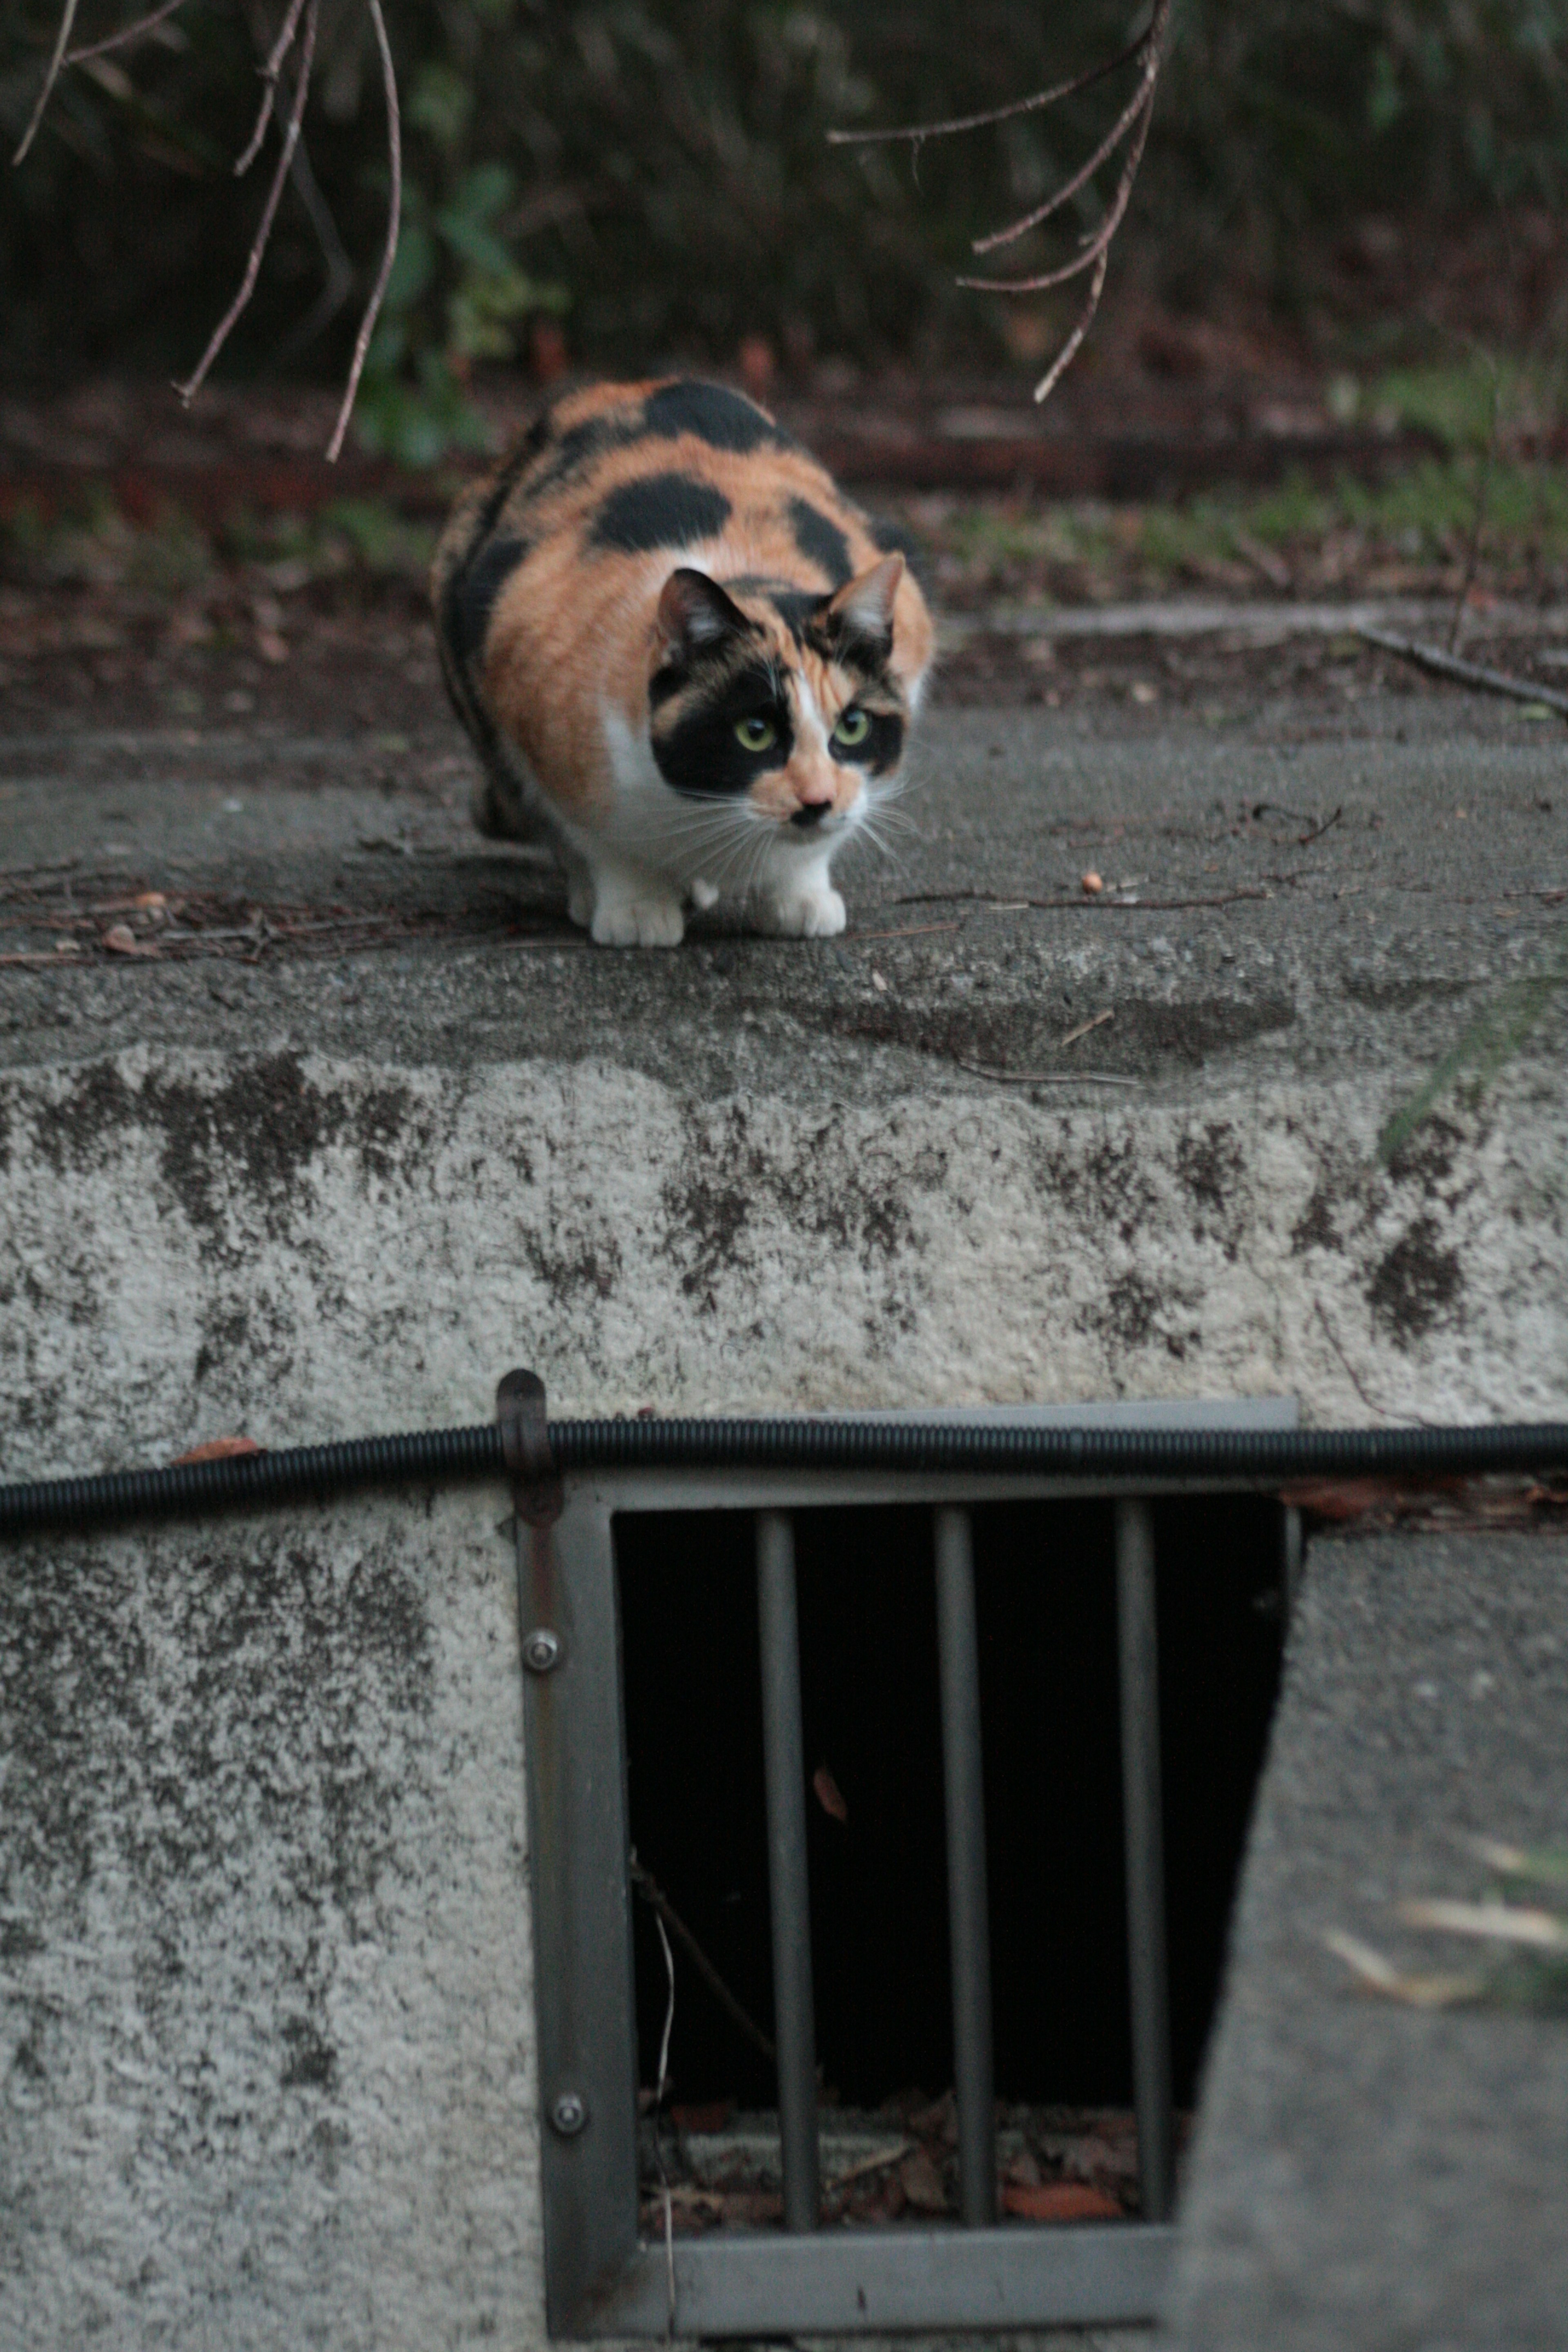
548, 576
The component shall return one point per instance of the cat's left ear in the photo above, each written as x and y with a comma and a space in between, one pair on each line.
694, 613
863, 608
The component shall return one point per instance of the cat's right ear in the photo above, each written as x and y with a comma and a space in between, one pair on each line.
694, 614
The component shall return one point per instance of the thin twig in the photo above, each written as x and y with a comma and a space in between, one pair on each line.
62, 39
1085, 172
394, 162
1044, 1077
657, 2150
1132, 124
1483, 487
918, 130
1096, 245
270, 73
1068, 352
1084, 1027
1088, 906
1487, 681
189, 389
126, 34
652, 1893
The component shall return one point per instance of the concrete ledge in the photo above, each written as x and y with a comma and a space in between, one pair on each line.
303, 1249
1367, 2175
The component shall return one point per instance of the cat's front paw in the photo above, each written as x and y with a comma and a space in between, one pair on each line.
801, 915
639, 922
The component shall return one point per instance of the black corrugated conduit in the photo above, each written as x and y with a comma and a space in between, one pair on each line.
1262, 1458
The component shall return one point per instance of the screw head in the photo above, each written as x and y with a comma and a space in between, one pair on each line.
569, 2114
541, 1650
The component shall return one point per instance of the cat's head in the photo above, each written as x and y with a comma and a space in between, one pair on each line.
796, 702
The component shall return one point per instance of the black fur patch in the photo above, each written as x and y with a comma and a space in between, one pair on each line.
699, 755
471, 592
890, 536
881, 749
517, 464
820, 541
796, 608
661, 510
724, 419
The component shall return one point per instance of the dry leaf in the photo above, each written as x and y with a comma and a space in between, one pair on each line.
120, 939
1059, 2201
921, 2183
827, 1794
1379, 1975
219, 1449
1502, 1920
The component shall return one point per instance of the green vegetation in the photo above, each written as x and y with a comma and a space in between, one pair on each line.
659, 167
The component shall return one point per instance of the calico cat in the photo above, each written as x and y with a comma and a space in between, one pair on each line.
681, 654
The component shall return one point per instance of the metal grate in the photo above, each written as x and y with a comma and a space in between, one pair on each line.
602, 2279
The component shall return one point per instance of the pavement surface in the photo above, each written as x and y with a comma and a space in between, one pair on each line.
1368, 2174
1318, 891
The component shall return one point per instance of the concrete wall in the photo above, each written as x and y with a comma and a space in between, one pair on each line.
265, 2000
304, 1250
263, 1919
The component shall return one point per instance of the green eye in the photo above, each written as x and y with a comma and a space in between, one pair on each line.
755, 734
853, 727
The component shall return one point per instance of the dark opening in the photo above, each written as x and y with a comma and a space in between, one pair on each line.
1046, 1599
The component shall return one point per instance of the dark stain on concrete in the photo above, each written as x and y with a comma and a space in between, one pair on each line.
262, 1126
1426, 1155
223, 1337
1132, 1317
1015, 1037
707, 1216
309, 2061
1106, 1187
1211, 1172
1315, 1227
265, 1681
575, 1271
826, 1194
1402, 995
1416, 1283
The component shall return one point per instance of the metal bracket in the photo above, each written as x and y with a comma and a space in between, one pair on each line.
525, 1448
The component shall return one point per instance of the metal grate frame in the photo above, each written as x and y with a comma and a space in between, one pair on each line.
602, 2279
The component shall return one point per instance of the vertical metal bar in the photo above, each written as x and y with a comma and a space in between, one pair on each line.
789, 1899
1290, 1560
1145, 1854
969, 1930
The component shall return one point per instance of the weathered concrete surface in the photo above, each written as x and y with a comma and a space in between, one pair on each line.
304, 1249
1368, 2176
264, 1909
316, 1196
264, 1997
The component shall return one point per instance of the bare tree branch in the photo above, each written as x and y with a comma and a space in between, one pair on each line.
918, 130
67, 18
119, 40
394, 215
1085, 172
1095, 242
270, 73
220, 334
1132, 124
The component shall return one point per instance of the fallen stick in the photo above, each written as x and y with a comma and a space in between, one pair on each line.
1099, 903
1044, 1077
1487, 681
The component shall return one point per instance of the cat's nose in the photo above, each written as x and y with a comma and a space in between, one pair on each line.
811, 812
